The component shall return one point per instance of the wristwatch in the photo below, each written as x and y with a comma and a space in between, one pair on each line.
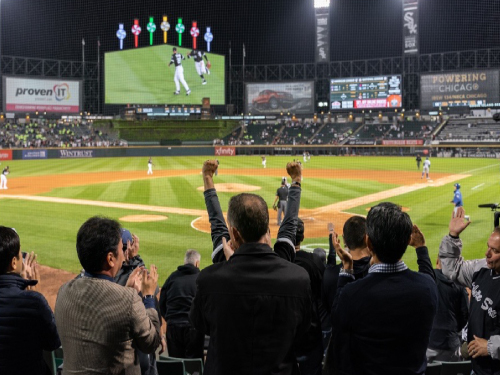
151, 296
296, 183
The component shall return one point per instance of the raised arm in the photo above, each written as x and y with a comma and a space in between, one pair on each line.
450, 253
218, 225
285, 244
424, 262
332, 257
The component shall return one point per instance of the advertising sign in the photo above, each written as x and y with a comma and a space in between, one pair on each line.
34, 154
269, 97
365, 92
403, 142
76, 154
42, 95
475, 89
322, 35
5, 154
410, 26
225, 151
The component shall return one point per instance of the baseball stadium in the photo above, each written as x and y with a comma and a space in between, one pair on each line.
393, 101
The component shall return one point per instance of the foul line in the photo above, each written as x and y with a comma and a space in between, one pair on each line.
478, 186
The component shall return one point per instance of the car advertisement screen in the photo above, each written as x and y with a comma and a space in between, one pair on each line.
43, 95
475, 89
143, 76
269, 97
365, 92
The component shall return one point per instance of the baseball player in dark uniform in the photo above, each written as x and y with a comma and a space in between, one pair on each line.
3, 178
201, 69
281, 199
418, 159
179, 72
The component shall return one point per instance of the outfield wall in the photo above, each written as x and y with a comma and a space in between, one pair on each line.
486, 151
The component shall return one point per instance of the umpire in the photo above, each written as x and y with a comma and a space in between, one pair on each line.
282, 196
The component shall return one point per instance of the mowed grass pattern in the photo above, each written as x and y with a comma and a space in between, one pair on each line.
50, 228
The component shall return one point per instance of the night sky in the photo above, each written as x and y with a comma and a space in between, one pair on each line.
274, 32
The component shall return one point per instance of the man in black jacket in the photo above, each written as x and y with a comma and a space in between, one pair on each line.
176, 297
255, 305
451, 318
27, 325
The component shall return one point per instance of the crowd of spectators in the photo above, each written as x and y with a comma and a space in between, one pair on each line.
267, 309
22, 133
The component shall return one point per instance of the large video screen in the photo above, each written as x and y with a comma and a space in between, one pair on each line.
142, 76
476, 89
43, 95
365, 92
274, 97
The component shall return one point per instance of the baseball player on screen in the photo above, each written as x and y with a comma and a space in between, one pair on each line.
201, 69
179, 72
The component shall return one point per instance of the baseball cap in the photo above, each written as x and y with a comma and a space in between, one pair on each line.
126, 236
457, 185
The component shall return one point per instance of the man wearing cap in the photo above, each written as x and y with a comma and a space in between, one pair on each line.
176, 59
281, 199
457, 198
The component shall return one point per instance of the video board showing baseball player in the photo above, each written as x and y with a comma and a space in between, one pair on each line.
164, 74
366, 92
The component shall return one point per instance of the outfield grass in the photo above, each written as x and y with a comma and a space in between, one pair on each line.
50, 229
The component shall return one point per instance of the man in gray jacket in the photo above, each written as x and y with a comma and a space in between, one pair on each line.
99, 321
482, 276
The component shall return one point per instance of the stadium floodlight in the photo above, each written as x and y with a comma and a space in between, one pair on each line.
318, 4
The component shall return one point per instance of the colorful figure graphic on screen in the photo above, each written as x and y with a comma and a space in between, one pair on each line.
208, 38
136, 30
151, 29
194, 33
165, 26
180, 29
121, 34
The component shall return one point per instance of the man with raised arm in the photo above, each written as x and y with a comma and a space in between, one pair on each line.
252, 303
482, 276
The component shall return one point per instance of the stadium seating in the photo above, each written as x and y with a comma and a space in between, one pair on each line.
469, 129
192, 366
456, 368
433, 368
170, 367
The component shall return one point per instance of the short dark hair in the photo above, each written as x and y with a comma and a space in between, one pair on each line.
299, 234
9, 247
389, 230
248, 213
321, 253
95, 239
174, 49
354, 232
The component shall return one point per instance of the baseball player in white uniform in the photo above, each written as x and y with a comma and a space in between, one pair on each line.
150, 166
426, 167
179, 72
201, 69
264, 161
3, 178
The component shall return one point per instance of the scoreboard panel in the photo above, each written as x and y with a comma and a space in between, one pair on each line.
366, 92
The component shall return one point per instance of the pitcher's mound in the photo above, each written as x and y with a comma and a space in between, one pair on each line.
233, 188
142, 218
